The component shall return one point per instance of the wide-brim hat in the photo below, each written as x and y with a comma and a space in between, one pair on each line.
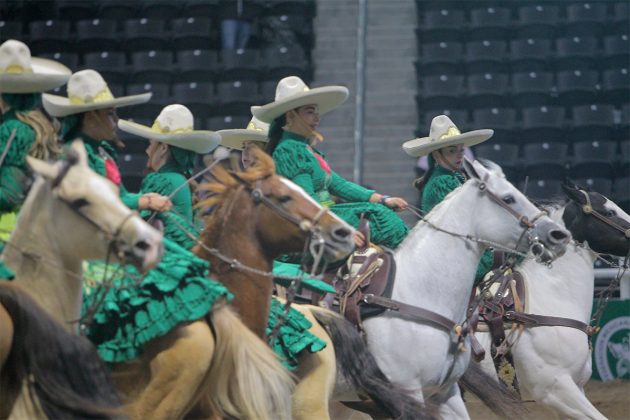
21, 73
174, 126
292, 93
87, 91
235, 138
444, 133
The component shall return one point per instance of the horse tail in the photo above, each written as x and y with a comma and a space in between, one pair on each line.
247, 379
492, 393
358, 365
62, 371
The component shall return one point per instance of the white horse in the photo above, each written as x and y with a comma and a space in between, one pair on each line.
554, 363
436, 267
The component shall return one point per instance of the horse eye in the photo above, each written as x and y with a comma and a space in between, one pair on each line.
285, 199
79, 202
611, 213
508, 199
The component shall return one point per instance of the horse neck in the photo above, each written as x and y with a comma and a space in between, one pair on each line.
565, 289
436, 270
52, 279
233, 234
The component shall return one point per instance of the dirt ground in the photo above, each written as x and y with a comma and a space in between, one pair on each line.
611, 398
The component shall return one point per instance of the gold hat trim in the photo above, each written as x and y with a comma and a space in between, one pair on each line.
103, 96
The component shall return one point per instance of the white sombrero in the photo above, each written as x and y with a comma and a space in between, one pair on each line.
292, 93
256, 131
21, 73
444, 133
174, 126
87, 91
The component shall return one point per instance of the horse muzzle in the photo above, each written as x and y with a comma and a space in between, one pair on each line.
143, 248
339, 243
549, 241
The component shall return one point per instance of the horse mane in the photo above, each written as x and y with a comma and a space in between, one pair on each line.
227, 182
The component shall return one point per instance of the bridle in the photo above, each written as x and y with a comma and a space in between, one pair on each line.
588, 210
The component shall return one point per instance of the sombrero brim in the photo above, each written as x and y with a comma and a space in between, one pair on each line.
425, 145
59, 106
235, 138
198, 141
326, 98
46, 75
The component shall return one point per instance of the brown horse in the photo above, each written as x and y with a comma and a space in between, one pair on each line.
45, 369
249, 229
216, 358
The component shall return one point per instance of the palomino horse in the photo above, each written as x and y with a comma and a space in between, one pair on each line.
259, 217
544, 370
83, 210
435, 270
232, 368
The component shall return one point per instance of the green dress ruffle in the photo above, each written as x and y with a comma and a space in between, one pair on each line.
295, 161
440, 183
294, 336
137, 309
294, 270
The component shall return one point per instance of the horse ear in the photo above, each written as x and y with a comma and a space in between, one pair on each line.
572, 191
45, 169
474, 169
79, 148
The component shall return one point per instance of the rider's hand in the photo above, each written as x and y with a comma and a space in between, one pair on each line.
396, 203
155, 202
359, 239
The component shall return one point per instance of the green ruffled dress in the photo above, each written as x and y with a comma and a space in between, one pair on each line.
14, 176
137, 309
440, 183
309, 170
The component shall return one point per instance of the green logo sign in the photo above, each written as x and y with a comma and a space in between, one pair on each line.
612, 349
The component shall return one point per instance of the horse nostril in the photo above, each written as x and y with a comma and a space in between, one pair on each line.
558, 235
142, 245
341, 233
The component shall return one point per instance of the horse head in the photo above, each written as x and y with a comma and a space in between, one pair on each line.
275, 212
88, 213
539, 234
593, 218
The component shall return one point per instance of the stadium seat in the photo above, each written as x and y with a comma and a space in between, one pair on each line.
97, 35
268, 90
593, 158
504, 154
198, 97
73, 10
111, 64
537, 20
491, 22
10, 30
236, 96
291, 7
487, 90
624, 157
159, 9
603, 186
193, 33
145, 34
486, 50
532, 88
132, 166
621, 11
443, 91
227, 121
576, 52
621, 192
197, 65
441, 52
501, 120
49, 36
119, 10
592, 122
200, 8
241, 64
71, 60
616, 86
442, 25
281, 61
530, 54
577, 86
152, 66
543, 123
586, 18
542, 188
159, 99
616, 51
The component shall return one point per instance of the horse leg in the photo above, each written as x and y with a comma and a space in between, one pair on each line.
451, 405
317, 372
179, 363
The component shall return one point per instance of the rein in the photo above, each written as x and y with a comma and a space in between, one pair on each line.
589, 210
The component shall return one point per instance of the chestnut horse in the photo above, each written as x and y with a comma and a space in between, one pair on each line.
45, 368
256, 211
229, 366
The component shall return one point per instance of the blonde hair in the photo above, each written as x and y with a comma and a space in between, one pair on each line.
46, 145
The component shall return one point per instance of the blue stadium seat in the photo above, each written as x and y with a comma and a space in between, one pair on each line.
198, 97
501, 120
145, 34
616, 86
543, 188
285, 60
603, 186
292, 7
621, 11
621, 189
530, 54
193, 33
73, 10
159, 9
97, 35
152, 66
160, 98
200, 8
132, 164
576, 52
577, 86
441, 52
592, 122
537, 20
197, 65
504, 154
111, 64
49, 36
119, 10
268, 90
586, 18
71, 60
532, 88
487, 90
594, 158
442, 25
491, 22
543, 123
11, 30
616, 50
441, 91
236, 96
486, 56
223, 122
241, 64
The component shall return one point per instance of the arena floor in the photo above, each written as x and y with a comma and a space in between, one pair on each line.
611, 398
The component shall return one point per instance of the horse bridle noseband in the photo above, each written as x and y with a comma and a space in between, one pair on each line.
588, 210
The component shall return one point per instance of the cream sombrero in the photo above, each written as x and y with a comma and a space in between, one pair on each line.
292, 93
174, 126
21, 73
444, 133
87, 91
234, 138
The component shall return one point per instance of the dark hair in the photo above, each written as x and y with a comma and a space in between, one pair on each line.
275, 133
70, 127
420, 183
23, 102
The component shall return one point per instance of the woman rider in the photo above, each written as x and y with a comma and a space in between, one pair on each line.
445, 148
25, 130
